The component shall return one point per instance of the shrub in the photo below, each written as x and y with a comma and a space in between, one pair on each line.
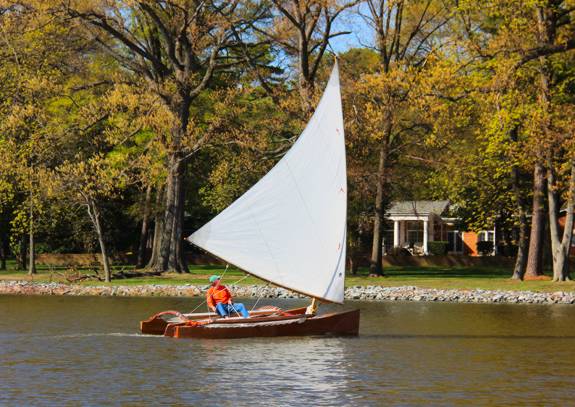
507, 250
437, 248
399, 251
485, 248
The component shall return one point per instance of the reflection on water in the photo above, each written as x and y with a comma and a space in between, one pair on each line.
87, 351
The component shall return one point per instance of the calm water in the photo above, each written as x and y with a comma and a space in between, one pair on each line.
87, 351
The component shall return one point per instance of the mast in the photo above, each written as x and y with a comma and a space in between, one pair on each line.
312, 308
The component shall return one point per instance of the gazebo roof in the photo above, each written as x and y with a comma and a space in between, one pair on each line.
418, 208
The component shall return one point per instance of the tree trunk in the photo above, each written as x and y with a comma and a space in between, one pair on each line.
521, 213
32, 250
306, 91
352, 266
536, 240
21, 257
32, 256
305, 79
2, 256
3, 249
158, 230
560, 246
170, 252
522, 247
376, 261
177, 256
94, 214
536, 244
144, 231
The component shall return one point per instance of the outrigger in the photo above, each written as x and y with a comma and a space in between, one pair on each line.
288, 229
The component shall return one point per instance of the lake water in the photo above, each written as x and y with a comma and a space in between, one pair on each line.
87, 351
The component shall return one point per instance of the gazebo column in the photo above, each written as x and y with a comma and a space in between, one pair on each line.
425, 236
395, 233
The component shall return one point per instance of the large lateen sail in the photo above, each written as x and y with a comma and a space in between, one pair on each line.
290, 227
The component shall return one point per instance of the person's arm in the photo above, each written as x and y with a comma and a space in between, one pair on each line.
229, 296
210, 300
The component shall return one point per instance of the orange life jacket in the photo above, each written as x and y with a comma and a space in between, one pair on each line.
217, 295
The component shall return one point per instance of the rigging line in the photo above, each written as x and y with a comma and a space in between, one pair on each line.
202, 303
259, 298
236, 311
332, 50
241, 279
225, 271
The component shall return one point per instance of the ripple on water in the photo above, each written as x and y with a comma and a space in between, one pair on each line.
407, 354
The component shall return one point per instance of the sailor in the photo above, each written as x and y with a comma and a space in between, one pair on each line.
220, 300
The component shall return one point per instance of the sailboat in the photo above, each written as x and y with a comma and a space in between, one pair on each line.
288, 229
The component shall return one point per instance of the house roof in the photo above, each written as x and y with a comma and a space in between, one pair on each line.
417, 208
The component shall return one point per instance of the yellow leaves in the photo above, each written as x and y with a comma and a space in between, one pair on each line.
96, 178
381, 98
132, 109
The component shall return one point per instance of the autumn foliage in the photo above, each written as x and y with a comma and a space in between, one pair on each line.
125, 125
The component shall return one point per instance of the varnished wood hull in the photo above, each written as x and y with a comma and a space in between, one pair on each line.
342, 323
157, 324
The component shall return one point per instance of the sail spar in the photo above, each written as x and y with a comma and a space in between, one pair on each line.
290, 227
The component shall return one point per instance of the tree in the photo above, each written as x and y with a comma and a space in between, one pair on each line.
560, 165
303, 29
140, 122
176, 48
404, 38
502, 41
553, 29
87, 182
33, 68
355, 64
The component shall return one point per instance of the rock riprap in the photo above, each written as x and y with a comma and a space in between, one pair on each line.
365, 293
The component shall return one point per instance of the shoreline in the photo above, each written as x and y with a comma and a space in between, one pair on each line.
359, 293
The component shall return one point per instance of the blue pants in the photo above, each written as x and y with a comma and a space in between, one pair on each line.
226, 309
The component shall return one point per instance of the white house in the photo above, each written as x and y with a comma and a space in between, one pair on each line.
416, 223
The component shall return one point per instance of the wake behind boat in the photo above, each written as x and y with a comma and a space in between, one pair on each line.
288, 229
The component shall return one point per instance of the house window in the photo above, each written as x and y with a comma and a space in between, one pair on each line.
486, 236
387, 240
454, 241
414, 232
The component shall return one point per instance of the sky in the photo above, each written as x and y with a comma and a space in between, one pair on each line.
361, 34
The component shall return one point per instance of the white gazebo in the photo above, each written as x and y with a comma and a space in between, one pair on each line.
415, 223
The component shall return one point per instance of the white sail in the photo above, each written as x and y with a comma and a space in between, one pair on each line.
290, 227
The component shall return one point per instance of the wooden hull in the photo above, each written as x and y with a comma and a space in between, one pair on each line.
342, 323
157, 324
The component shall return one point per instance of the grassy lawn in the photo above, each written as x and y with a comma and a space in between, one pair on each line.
198, 275
492, 278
